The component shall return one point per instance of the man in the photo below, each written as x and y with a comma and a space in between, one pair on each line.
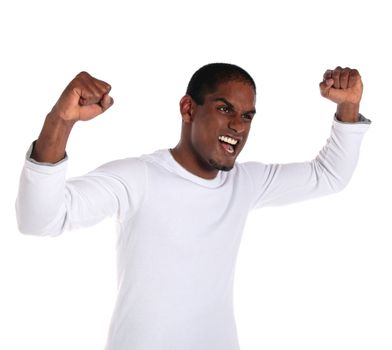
181, 212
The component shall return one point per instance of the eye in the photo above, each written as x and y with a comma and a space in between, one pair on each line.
224, 109
248, 117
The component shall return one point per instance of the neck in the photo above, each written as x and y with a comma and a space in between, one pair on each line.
188, 161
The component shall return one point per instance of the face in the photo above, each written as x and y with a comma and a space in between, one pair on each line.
219, 128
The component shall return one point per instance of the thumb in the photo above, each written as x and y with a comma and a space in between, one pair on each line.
325, 87
106, 102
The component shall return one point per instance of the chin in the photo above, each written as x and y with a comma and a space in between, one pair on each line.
219, 166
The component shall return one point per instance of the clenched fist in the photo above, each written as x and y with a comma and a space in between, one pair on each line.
84, 98
344, 87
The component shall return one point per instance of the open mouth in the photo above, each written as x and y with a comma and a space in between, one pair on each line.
228, 143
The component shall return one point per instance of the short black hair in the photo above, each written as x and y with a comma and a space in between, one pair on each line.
207, 78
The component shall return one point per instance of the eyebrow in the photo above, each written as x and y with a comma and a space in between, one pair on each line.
230, 105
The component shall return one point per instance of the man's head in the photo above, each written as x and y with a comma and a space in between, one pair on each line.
206, 79
217, 112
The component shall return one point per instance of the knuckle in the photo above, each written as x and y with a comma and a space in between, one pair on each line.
80, 79
336, 73
354, 72
345, 73
83, 74
103, 89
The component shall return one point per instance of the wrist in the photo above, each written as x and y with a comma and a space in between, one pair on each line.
57, 120
347, 112
51, 143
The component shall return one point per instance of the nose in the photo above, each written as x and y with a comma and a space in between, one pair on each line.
237, 124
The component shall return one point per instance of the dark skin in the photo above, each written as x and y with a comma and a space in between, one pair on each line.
344, 87
83, 99
228, 112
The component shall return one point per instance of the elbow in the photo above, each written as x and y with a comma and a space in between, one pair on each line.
38, 226
341, 185
333, 179
42, 231
337, 184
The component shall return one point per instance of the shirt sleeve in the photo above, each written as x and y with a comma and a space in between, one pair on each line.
32, 160
329, 172
48, 204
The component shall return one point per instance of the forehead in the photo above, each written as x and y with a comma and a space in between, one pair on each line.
239, 94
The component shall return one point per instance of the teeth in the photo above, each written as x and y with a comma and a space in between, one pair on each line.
228, 140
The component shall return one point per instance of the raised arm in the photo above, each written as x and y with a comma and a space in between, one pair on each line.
84, 98
46, 203
331, 170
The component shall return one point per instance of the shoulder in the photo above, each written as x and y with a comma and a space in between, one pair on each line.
122, 165
251, 169
127, 170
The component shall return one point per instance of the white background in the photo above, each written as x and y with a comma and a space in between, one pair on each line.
314, 275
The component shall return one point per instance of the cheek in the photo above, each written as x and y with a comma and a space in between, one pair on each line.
204, 130
244, 141
198, 139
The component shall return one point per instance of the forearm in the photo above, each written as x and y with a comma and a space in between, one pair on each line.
51, 143
337, 161
347, 112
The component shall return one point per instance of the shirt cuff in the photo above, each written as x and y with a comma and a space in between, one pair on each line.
28, 157
361, 120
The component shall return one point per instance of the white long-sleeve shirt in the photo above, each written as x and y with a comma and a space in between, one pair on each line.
178, 234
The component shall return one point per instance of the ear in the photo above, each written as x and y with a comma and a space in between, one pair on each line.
187, 109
